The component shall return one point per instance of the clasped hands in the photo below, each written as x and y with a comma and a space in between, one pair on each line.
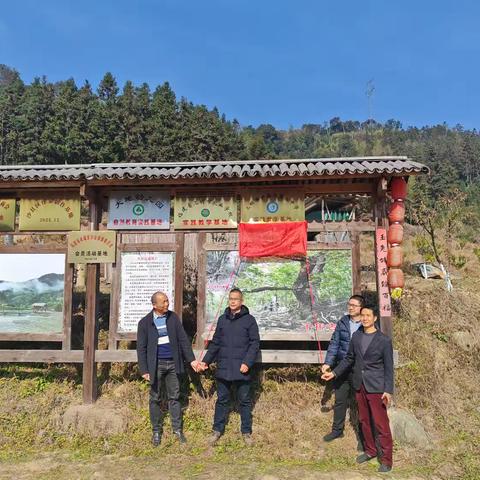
200, 367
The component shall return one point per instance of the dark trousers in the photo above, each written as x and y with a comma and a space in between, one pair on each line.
223, 403
343, 399
165, 372
372, 410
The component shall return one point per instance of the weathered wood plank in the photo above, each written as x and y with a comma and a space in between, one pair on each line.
31, 337
106, 356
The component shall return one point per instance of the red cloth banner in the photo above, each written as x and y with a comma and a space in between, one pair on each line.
276, 239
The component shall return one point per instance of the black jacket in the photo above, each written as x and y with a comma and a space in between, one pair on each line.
147, 341
236, 340
375, 368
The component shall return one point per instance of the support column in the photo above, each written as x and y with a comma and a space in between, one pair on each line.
381, 221
90, 337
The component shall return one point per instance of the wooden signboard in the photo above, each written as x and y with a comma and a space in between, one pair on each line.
91, 247
7, 214
50, 213
205, 212
273, 208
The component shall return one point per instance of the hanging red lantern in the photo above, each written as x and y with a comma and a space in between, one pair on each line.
396, 212
399, 188
395, 256
395, 234
395, 278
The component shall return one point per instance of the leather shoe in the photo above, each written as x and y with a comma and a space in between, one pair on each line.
384, 468
332, 436
212, 441
156, 438
181, 437
364, 458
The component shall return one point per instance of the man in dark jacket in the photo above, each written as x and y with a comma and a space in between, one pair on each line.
162, 348
234, 347
371, 354
337, 350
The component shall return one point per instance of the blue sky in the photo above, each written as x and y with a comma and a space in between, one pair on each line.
281, 62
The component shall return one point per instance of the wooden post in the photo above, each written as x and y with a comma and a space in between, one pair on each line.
381, 221
90, 328
356, 280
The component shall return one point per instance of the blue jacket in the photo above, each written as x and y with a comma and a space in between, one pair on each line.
236, 340
339, 343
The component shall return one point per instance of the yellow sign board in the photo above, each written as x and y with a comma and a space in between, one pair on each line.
50, 213
7, 214
92, 247
205, 212
273, 208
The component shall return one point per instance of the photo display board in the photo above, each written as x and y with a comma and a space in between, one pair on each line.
142, 274
32, 292
277, 291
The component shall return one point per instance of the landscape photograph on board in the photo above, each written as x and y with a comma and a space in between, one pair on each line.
284, 295
31, 292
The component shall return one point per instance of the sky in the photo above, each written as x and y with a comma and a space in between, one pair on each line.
20, 267
281, 62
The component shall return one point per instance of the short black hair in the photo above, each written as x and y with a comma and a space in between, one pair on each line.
236, 290
372, 308
359, 298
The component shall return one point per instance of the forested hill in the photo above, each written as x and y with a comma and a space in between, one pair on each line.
49, 123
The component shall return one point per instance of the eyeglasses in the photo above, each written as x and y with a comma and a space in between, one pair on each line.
353, 305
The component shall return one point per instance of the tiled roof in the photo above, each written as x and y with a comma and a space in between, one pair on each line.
352, 166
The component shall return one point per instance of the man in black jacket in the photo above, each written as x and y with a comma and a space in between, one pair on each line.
162, 348
234, 346
371, 354
337, 349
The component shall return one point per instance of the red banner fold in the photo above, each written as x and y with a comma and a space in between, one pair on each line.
279, 239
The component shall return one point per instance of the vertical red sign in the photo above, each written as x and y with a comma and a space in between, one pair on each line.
382, 272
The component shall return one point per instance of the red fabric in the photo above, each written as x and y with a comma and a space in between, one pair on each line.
282, 239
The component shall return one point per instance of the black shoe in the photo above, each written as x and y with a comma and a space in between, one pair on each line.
332, 436
181, 437
364, 458
156, 438
384, 468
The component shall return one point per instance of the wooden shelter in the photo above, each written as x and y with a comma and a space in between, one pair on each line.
330, 187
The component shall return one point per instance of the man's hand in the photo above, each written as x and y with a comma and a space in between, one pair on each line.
202, 366
146, 376
194, 365
328, 376
244, 368
325, 368
387, 399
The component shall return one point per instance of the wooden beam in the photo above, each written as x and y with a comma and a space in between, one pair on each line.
31, 337
357, 226
356, 263
130, 356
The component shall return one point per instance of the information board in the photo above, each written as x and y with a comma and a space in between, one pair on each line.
142, 274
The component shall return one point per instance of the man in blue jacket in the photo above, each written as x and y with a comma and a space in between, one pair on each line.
234, 346
162, 348
337, 350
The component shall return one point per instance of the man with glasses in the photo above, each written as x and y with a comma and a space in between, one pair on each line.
337, 350
234, 347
